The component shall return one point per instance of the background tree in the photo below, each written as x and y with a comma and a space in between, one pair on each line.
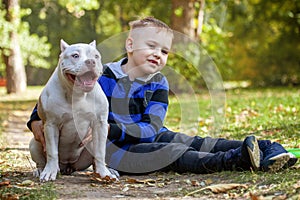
183, 16
15, 71
19, 48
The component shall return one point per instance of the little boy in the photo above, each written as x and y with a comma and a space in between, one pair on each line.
138, 100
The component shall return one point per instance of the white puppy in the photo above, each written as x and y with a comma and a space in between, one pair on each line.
72, 103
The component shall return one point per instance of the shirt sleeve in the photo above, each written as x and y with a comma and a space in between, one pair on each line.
33, 117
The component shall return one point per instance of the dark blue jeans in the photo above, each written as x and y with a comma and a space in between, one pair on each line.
178, 152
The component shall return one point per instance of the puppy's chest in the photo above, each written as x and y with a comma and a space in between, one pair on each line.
77, 118
74, 126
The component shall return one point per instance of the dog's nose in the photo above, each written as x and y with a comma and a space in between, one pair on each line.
90, 63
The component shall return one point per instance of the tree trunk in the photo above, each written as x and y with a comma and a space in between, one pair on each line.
15, 71
182, 18
200, 18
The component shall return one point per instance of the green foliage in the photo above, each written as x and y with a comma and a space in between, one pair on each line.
84, 21
37, 48
78, 7
253, 40
266, 33
5, 29
214, 37
34, 49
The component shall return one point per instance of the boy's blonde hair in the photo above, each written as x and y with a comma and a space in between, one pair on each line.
149, 22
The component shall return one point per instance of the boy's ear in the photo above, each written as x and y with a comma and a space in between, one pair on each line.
129, 45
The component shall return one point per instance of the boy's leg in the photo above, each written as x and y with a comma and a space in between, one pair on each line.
38, 156
243, 158
274, 156
149, 157
207, 144
84, 161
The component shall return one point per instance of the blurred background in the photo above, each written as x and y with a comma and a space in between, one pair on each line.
253, 43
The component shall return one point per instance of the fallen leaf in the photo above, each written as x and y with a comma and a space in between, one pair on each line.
195, 183
222, 188
218, 188
4, 183
208, 181
255, 197
105, 180
144, 181
10, 196
125, 189
296, 185
160, 185
27, 183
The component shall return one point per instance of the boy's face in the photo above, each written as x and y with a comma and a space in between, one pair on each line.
148, 49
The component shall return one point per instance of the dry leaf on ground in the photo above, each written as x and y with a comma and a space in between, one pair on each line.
4, 183
219, 188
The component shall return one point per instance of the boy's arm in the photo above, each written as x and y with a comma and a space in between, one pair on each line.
35, 124
34, 117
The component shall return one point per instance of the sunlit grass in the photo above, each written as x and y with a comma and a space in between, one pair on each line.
32, 93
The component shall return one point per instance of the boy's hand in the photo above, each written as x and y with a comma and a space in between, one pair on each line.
38, 132
88, 138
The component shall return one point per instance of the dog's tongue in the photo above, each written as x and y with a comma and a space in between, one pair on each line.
87, 78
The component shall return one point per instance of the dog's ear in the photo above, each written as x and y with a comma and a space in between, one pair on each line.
63, 45
93, 44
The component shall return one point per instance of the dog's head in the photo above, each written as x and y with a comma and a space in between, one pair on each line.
80, 65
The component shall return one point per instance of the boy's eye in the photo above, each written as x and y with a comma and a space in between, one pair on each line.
165, 52
152, 46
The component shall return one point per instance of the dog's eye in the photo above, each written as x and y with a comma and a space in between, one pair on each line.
75, 55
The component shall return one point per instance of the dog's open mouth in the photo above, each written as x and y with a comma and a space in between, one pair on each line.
85, 81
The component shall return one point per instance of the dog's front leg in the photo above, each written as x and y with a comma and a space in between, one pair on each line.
52, 167
100, 131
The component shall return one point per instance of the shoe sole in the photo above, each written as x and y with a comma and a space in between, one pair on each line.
279, 161
254, 153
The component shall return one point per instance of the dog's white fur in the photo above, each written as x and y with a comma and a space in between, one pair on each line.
71, 103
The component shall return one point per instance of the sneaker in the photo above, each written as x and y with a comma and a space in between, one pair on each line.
263, 144
275, 158
292, 161
245, 157
250, 147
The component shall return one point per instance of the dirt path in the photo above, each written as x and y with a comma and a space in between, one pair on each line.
15, 133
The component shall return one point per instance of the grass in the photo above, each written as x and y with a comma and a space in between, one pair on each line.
15, 171
268, 113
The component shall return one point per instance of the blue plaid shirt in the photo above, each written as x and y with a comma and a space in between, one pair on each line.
136, 108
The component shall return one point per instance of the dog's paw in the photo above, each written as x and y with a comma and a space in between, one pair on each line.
37, 172
49, 173
114, 172
105, 173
